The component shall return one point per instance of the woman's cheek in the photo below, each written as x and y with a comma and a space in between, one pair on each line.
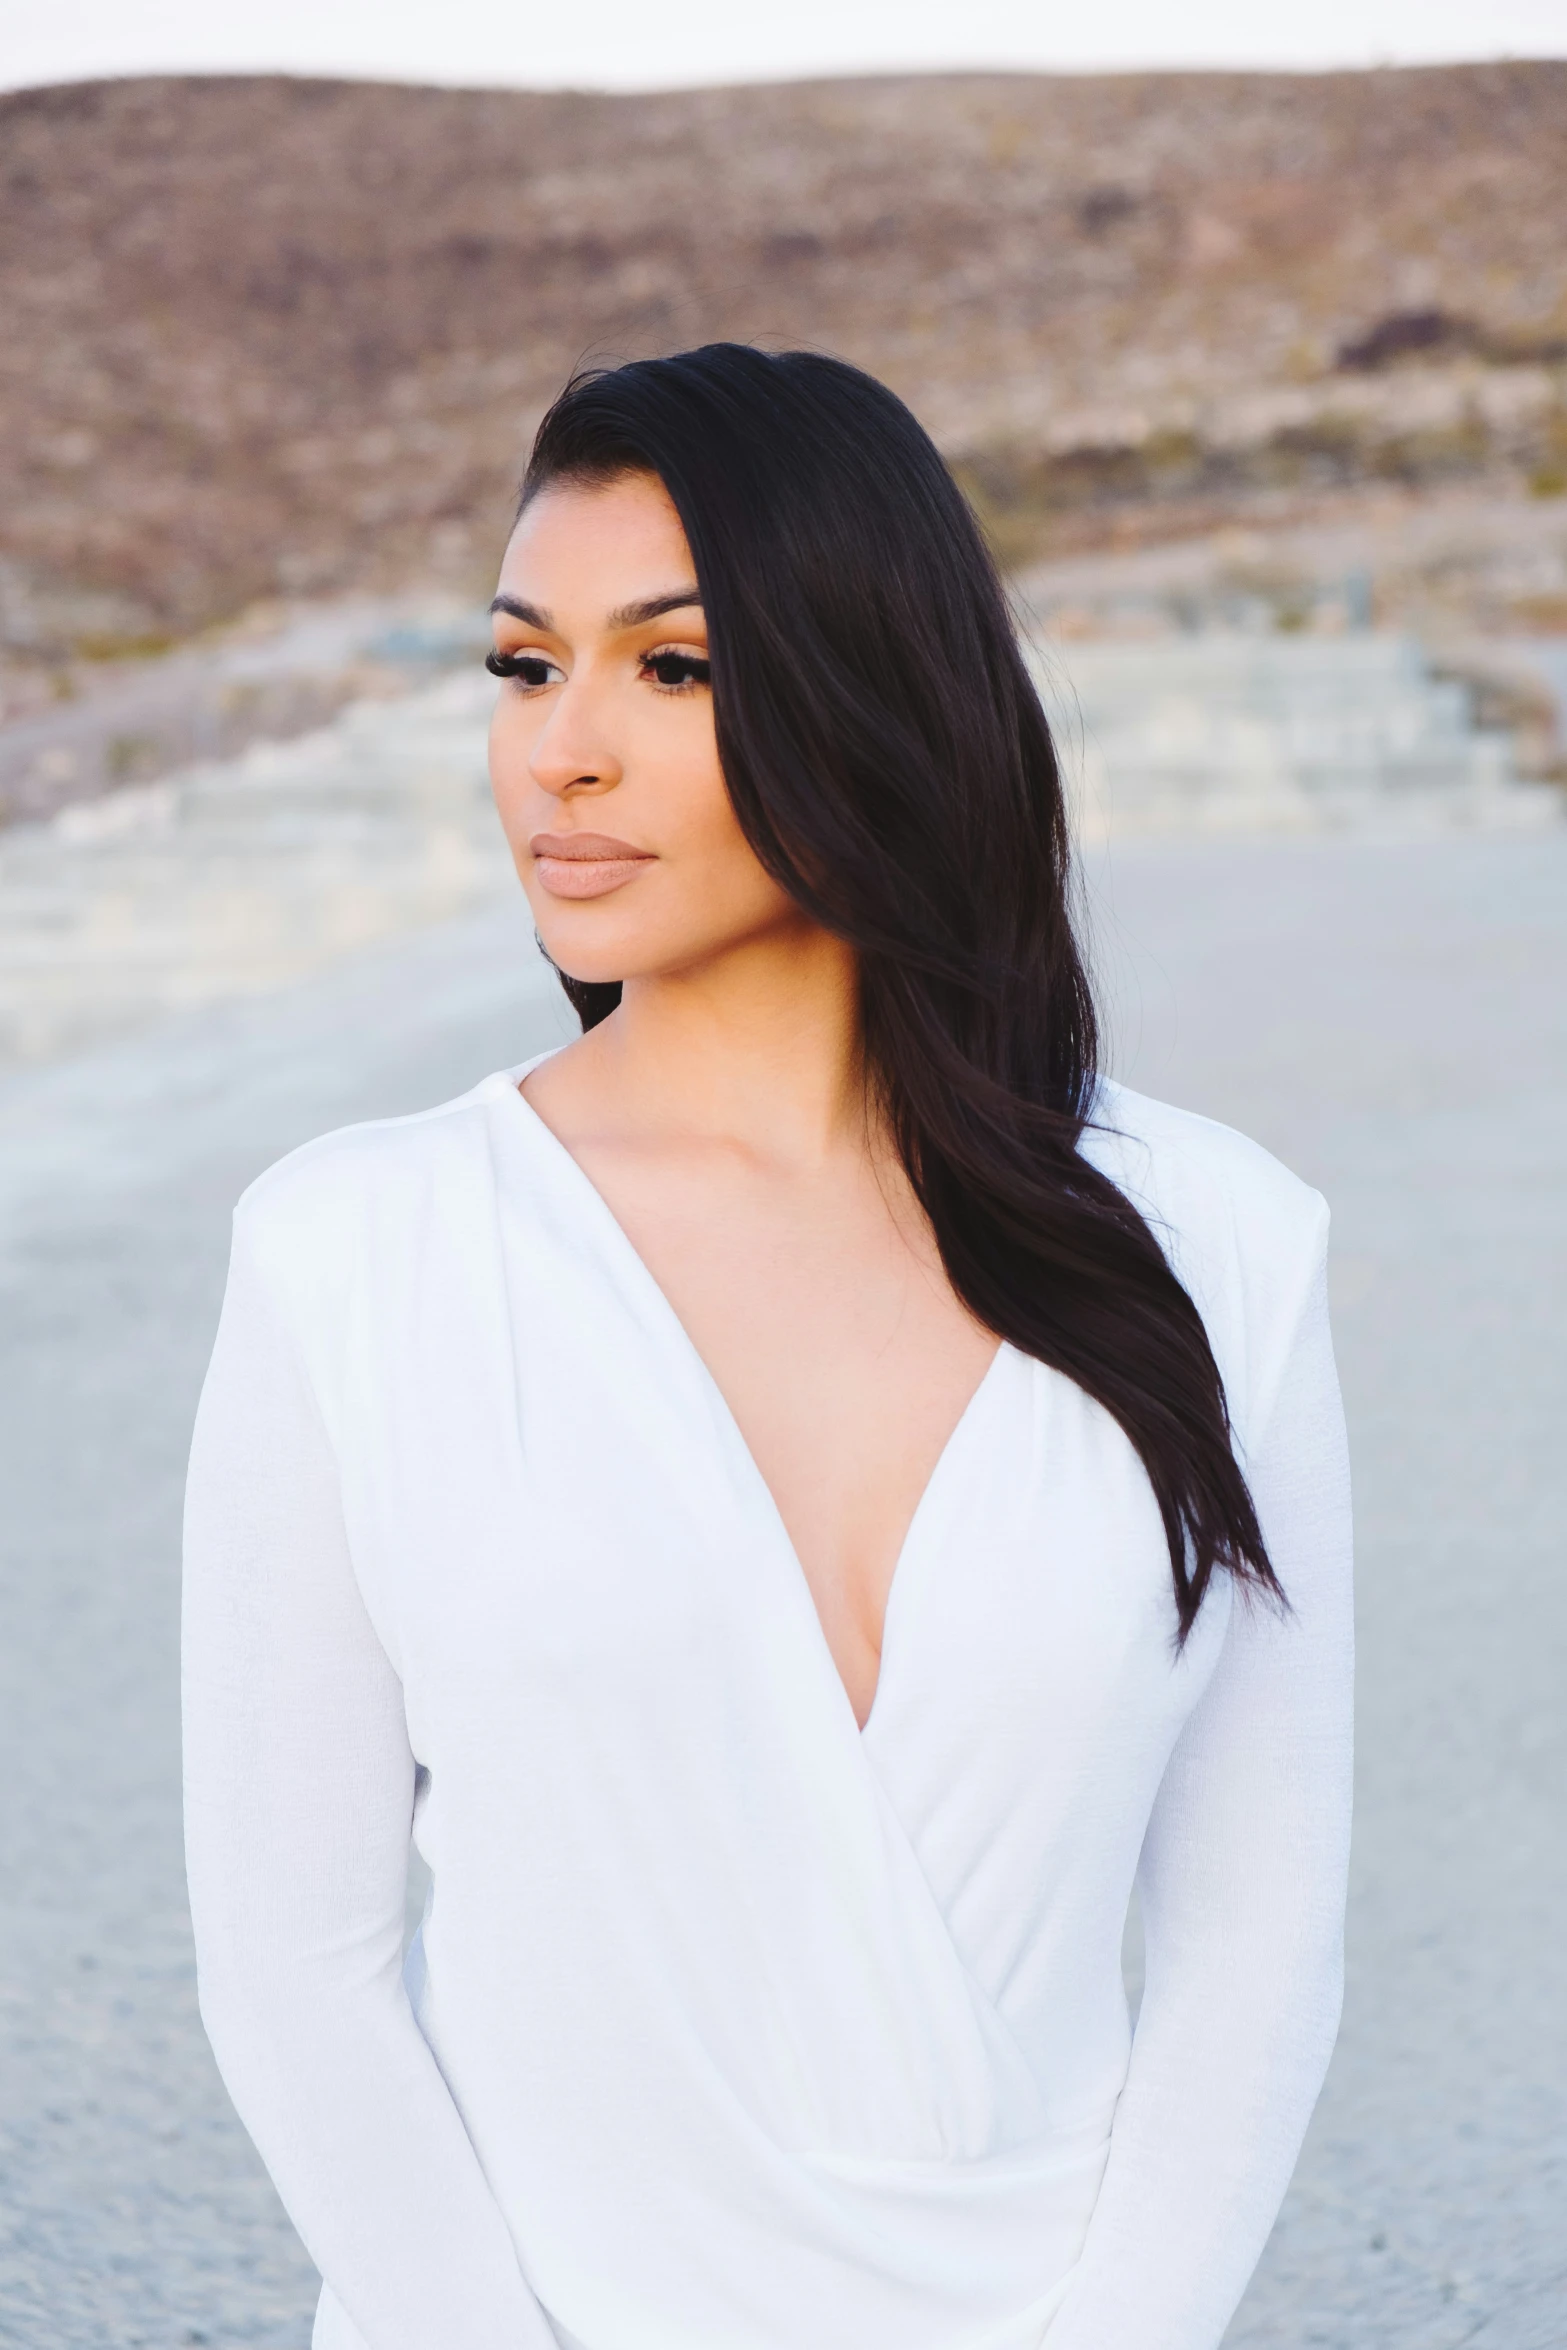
511, 741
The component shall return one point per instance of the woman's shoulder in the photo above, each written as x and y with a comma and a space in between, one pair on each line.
319, 1201
1244, 1235
1187, 1170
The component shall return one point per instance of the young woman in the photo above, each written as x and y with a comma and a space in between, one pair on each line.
793, 1503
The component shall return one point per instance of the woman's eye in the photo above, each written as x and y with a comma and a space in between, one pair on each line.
529, 669
676, 672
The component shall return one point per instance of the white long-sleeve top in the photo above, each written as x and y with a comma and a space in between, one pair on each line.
731, 2026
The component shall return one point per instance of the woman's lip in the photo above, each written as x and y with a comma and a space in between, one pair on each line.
584, 864
589, 847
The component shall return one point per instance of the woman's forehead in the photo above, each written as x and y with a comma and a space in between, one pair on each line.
597, 548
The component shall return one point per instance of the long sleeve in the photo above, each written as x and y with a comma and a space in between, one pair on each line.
299, 1794
1242, 1885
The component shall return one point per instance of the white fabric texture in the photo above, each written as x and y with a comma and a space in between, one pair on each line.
729, 2026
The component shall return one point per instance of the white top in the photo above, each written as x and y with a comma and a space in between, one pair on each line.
731, 2027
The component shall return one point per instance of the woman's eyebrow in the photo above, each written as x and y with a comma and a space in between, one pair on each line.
626, 616
529, 614
654, 608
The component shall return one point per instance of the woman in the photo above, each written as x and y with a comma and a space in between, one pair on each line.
794, 1501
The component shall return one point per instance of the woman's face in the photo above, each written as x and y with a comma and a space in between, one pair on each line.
602, 750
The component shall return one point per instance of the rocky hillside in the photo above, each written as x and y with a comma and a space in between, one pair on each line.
267, 336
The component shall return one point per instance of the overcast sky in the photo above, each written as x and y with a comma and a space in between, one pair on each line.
640, 44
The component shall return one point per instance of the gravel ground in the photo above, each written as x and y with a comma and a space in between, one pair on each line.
1392, 1020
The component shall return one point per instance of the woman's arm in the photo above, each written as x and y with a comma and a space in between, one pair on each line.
299, 1795
1242, 1885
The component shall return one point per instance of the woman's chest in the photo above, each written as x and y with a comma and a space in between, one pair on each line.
552, 1510
619, 1685
813, 1297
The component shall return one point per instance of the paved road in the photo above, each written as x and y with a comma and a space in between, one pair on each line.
1394, 1022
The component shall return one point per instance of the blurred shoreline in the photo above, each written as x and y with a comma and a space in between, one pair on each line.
85, 728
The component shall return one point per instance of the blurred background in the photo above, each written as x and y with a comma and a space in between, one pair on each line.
1249, 344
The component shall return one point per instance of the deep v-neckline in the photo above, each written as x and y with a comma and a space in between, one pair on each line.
665, 1312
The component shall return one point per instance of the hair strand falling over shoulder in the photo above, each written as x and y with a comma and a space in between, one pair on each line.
890, 763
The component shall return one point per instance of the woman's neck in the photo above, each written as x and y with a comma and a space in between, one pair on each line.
761, 1047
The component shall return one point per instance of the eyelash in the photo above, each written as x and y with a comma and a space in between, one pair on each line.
698, 671
517, 665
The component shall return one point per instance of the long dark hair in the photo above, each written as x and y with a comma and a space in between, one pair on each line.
890, 764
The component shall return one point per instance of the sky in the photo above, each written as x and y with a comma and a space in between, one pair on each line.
642, 44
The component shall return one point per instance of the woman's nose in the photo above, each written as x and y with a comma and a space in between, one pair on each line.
570, 750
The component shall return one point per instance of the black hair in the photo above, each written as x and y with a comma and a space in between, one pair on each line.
890, 764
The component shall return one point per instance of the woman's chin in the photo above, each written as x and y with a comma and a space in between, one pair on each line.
594, 951
596, 940
582, 936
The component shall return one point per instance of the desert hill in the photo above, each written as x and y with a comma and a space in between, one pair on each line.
274, 335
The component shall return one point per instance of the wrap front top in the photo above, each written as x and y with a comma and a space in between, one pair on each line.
730, 2026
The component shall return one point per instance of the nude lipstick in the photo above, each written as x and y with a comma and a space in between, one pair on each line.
585, 864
